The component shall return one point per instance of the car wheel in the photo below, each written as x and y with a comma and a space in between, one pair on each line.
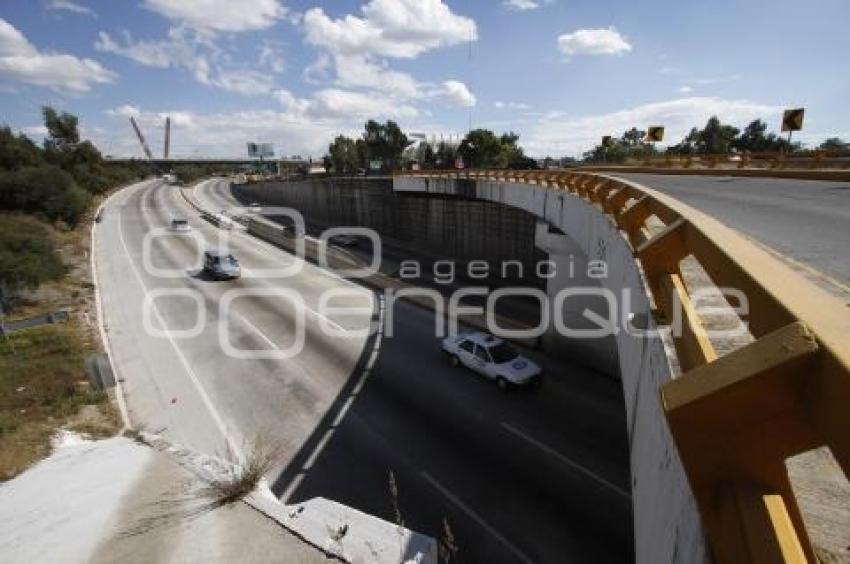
502, 383
454, 360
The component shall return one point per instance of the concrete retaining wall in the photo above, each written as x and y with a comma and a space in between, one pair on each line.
440, 225
666, 521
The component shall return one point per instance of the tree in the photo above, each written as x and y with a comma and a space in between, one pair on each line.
716, 138
47, 190
342, 157
755, 139
482, 149
834, 144
61, 128
27, 255
385, 143
17, 151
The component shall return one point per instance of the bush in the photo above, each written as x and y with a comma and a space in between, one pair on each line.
47, 190
27, 254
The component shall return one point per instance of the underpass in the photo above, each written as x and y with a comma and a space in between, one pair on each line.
459, 448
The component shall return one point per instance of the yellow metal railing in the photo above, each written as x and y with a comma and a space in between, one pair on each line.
735, 418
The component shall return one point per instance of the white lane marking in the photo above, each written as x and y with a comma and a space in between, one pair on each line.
101, 320
219, 422
367, 371
256, 330
475, 517
576, 466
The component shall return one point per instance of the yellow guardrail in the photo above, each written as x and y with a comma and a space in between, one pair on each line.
735, 418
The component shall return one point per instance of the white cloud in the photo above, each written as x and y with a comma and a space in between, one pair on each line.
390, 28
220, 15
362, 72
271, 58
525, 5
456, 93
195, 52
499, 105
127, 110
299, 128
35, 131
593, 42
21, 61
241, 81
678, 116
68, 6
718, 79
333, 102
685, 90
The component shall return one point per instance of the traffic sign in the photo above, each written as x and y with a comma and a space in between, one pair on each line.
261, 150
792, 120
655, 133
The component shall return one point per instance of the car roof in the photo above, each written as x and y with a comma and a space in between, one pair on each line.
481, 338
217, 252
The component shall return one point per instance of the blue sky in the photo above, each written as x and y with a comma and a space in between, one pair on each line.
561, 73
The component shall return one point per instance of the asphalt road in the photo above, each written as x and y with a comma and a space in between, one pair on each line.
533, 476
805, 220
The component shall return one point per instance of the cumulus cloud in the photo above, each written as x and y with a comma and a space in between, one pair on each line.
301, 126
593, 42
220, 15
68, 6
362, 72
390, 28
456, 93
21, 61
195, 52
678, 116
126, 110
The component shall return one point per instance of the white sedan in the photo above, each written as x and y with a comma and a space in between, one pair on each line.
493, 358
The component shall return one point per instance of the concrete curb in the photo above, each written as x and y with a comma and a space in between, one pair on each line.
336, 530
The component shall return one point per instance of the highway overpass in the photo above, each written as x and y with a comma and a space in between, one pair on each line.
531, 477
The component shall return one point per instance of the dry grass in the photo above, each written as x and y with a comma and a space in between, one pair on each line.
43, 386
244, 476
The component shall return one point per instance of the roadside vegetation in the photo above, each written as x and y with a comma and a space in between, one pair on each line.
46, 198
715, 138
384, 148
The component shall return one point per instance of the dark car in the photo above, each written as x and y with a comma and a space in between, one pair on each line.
221, 265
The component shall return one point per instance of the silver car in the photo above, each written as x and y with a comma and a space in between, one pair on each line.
221, 265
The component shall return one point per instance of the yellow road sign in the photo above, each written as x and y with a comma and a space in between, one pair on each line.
792, 120
655, 133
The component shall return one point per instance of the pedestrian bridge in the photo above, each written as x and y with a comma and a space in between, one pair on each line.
708, 447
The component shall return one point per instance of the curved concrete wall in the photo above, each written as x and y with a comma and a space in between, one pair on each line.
666, 522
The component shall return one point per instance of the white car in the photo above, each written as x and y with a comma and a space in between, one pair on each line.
180, 225
493, 358
254, 207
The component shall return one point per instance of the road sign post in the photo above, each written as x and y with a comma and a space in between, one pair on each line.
792, 120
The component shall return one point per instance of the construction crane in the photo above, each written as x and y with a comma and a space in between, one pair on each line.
167, 137
141, 137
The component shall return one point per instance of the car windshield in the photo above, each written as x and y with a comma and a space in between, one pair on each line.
503, 352
180, 222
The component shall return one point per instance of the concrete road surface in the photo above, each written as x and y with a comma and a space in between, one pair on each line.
806, 221
534, 476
